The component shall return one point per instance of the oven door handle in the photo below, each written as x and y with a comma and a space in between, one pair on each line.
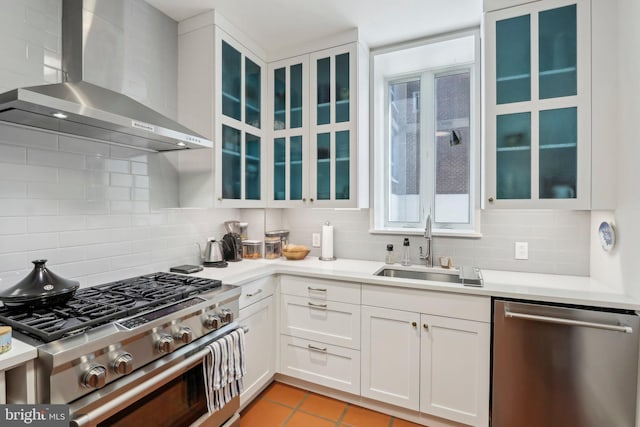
130, 396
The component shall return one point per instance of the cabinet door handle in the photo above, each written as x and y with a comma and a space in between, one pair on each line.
414, 324
304, 200
311, 200
245, 329
322, 306
426, 327
321, 349
490, 199
316, 289
219, 199
255, 293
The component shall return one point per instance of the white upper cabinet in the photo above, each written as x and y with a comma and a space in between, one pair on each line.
319, 116
538, 139
290, 133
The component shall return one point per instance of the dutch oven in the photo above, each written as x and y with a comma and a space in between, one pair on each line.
40, 288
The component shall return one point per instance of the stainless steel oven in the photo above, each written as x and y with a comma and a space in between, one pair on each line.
169, 392
131, 352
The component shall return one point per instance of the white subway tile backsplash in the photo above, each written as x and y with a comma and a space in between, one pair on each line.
121, 206
45, 224
73, 207
13, 225
138, 168
82, 146
12, 261
141, 181
107, 250
141, 194
28, 242
12, 190
43, 190
58, 255
121, 180
27, 207
24, 137
27, 173
107, 221
55, 159
13, 154
87, 177
119, 152
91, 237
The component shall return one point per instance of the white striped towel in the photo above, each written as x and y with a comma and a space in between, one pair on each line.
223, 369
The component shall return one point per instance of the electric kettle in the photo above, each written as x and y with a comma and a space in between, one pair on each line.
213, 255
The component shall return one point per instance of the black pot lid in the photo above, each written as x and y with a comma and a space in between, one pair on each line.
39, 283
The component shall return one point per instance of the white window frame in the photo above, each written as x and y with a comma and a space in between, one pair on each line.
381, 78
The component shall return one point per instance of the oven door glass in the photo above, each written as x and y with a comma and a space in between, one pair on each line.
178, 403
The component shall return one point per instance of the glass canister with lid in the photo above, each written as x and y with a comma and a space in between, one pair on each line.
251, 249
283, 235
272, 247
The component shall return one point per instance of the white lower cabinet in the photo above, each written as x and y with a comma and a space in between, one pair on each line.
391, 356
454, 369
436, 364
260, 346
321, 363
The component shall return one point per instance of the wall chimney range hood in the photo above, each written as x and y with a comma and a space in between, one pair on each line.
80, 108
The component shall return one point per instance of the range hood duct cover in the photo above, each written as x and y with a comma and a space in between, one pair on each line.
90, 110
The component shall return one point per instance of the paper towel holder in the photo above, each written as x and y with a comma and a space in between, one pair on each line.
331, 258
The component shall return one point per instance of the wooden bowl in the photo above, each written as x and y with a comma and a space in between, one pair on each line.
295, 255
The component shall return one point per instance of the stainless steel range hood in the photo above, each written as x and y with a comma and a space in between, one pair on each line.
81, 108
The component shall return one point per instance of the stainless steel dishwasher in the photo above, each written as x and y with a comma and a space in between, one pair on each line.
557, 366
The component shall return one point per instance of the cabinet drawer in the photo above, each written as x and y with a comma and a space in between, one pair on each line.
330, 322
320, 363
446, 304
256, 291
321, 289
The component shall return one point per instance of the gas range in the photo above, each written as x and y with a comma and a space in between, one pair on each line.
108, 332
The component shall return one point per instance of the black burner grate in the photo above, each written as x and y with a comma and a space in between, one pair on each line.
98, 305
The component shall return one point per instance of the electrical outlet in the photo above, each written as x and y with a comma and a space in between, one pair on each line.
522, 250
315, 240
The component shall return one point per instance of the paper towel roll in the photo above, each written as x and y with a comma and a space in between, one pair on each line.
327, 241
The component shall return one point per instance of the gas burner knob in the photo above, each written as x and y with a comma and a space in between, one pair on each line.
123, 364
227, 315
184, 334
95, 377
212, 321
165, 344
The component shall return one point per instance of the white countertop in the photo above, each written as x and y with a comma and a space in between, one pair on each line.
20, 353
577, 290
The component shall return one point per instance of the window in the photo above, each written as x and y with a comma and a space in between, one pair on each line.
426, 136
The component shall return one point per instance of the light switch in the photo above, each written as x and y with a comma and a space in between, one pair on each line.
522, 250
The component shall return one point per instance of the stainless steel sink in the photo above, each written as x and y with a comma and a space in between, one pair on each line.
468, 276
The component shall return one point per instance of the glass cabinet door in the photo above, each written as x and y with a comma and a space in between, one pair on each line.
513, 162
290, 89
538, 138
323, 166
239, 120
558, 153
513, 59
557, 55
231, 81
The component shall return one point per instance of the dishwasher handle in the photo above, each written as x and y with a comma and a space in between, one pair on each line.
570, 322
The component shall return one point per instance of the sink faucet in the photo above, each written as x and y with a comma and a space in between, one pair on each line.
428, 253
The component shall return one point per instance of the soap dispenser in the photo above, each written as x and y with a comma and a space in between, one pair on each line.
406, 254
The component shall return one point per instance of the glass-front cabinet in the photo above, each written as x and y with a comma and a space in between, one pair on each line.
538, 140
314, 122
333, 127
239, 131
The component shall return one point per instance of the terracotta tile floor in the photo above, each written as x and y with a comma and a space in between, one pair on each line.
282, 405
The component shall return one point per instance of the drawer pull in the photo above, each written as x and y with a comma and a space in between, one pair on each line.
255, 293
414, 324
313, 347
322, 306
426, 327
316, 289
